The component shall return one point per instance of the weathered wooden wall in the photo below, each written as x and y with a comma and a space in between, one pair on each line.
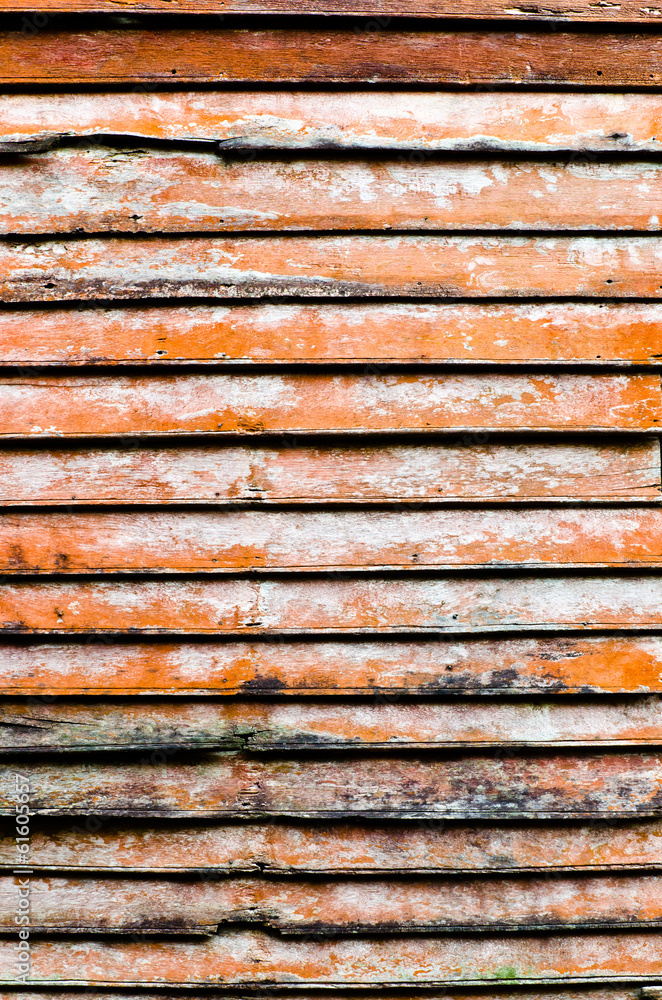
331, 540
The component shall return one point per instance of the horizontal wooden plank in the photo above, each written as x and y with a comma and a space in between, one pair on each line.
127, 725
360, 119
612, 990
491, 473
292, 55
496, 787
549, 333
260, 541
254, 266
143, 191
245, 957
326, 606
584, 10
585, 991
617, 664
130, 906
49, 406
340, 848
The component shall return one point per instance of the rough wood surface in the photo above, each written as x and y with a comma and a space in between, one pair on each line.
359, 119
244, 957
129, 906
492, 777
328, 605
339, 848
616, 664
456, 472
294, 55
501, 786
83, 727
258, 266
550, 333
143, 191
227, 541
614, 991
554, 10
60, 406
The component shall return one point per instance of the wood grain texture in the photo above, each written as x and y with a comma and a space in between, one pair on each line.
327, 606
505, 829
584, 991
295, 847
456, 472
310, 55
498, 787
60, 406
552, 10
84, 906
291, 727
228, 787
314, 266
143, 191
246, 957
617, 664
259, 541
613, 991
359, 119
552, 333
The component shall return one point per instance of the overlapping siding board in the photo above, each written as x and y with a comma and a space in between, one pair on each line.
331, 540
